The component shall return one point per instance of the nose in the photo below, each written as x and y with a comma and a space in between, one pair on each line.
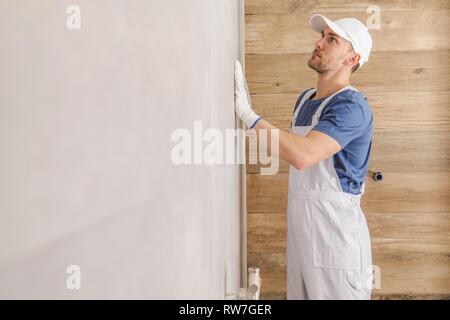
319, 44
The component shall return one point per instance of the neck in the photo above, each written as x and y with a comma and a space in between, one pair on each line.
327, 84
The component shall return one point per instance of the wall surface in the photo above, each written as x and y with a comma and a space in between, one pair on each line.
408, 86
86, 118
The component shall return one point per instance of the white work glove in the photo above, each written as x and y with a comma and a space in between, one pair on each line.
241, 99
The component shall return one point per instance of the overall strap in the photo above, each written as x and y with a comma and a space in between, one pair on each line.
306, 96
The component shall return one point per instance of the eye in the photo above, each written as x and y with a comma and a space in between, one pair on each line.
332, 39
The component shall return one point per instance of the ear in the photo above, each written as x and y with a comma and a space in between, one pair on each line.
353, 59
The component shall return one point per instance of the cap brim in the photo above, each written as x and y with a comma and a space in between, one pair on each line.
318, 22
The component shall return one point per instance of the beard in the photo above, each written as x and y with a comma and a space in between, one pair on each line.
316, 64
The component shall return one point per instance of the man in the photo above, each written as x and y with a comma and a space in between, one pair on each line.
328, 148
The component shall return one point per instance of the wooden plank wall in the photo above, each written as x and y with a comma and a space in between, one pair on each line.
407, 84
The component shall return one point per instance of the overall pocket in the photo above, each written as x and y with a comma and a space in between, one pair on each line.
335, 235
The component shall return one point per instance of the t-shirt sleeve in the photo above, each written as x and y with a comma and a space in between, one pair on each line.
343, 120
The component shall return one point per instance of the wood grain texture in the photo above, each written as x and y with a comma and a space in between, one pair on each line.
407, 83
423, 111
401, 30
410, 296
387, 72
375, 296
398, 151
267, 231
412, 267
397, 192
409, 226
282, 7
404, 268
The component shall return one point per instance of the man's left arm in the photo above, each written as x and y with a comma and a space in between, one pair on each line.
301, 152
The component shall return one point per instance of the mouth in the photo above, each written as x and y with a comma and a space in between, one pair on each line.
315, 54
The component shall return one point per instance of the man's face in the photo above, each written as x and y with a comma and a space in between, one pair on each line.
330, 52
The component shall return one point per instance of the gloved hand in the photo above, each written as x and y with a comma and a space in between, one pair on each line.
242, 100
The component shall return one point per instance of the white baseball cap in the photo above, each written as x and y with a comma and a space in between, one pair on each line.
350, 29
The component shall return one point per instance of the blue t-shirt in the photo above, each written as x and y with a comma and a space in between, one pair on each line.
349, 120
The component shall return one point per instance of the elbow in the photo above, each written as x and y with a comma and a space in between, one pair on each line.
301, 163
298, 165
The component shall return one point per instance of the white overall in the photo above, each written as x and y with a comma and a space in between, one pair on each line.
328, 243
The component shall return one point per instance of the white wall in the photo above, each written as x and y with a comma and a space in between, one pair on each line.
86, 177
